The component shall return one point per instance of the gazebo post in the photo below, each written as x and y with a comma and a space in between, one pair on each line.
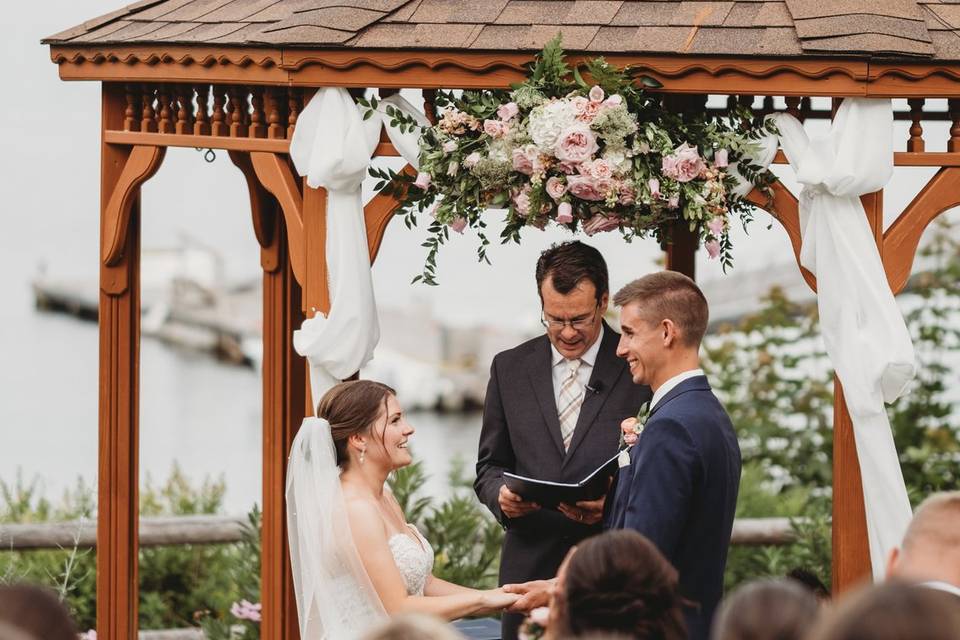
681, 250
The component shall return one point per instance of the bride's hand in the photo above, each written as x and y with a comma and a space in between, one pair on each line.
497, 599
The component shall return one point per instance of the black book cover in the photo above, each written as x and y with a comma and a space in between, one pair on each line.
549, 494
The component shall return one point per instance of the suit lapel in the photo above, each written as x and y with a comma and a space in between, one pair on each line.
540, 369
697, 383
606, 372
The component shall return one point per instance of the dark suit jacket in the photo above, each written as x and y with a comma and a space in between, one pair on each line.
680, 491
521, 434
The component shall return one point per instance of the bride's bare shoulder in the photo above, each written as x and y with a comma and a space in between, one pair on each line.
362, 511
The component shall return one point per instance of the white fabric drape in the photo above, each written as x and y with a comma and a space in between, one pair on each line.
331, 146
865, 335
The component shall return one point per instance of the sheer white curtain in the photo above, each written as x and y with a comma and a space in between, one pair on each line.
865, 335
331, 146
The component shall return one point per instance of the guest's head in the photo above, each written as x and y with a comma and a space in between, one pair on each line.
811, 582
573, 285
766, 610
931, 545
367, 424
413, 626
892, 611
33, 613
663, 317
617, 583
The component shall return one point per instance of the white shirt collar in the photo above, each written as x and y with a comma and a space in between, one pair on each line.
668, 386
589, 356
939, 585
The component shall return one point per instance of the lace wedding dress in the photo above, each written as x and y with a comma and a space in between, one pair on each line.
414, 559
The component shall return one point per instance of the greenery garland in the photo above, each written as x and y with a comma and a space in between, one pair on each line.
593, 156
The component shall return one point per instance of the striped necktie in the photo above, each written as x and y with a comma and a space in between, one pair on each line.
571, 397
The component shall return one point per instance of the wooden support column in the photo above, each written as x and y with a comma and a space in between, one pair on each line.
681, 250
122, 171
851, 548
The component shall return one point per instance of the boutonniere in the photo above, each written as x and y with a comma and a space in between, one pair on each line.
631, 428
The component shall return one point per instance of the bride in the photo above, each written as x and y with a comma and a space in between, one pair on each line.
355, 559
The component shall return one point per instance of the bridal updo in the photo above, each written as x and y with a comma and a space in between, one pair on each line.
619, 583
352, 408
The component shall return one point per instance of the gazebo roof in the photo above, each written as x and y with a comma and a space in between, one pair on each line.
921, 30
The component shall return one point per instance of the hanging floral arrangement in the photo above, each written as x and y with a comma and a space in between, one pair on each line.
593, 151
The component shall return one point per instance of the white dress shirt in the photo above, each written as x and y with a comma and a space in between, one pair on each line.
668, 386
561, 370
939, 585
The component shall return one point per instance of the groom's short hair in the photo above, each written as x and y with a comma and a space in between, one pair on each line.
669, 295
936, 524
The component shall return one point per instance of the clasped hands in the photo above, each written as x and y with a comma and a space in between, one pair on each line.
585, 512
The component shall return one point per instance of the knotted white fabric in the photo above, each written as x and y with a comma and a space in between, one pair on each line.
863, 329
331, 146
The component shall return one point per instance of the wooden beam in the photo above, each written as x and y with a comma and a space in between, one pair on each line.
786, 211
377, 215
265, 145
681, 249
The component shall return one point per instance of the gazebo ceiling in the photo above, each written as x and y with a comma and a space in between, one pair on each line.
770, 28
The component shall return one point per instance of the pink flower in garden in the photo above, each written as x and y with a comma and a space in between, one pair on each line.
471, 160
599, 223
599, 169
614, 101
654, 185
540, 616
576, 144
589, 111
596, 94
244, 610
586, 188
422, 181
458, 224
521, 202
555, 187
713, 248
495, 128
628, 194
449, 146
684, 164
579, 103
526, 159
673, 202
720, 158
568, 168
716, 225
508, 111
564, 213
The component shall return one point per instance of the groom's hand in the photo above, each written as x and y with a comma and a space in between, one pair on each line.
513, 506
586, 512
533, 594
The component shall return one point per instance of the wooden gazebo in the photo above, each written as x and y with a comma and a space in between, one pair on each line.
234, 74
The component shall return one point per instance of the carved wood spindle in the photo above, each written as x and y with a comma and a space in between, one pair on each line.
165, 125
767, 105
274, 130
148, 122
201, 126
746, 102
915, 143
731, 102
237, 128
184, 124
256, 116
430, 105
806, 106
793, 106
954, 106
218, 126
293, 101
130, 120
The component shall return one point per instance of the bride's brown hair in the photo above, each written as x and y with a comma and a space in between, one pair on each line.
351, 408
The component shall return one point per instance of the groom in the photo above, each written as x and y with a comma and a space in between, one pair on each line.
680, 488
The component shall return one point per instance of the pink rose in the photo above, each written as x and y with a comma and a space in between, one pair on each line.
716, 225
629, 429
720, 158
614, 101
599, 223
522, 162
449, 146
508, 111
495, 128
713, 248
458, 224
576, 144
586, 188
628, 195
589, 111
684, 164
471, 160
654, 185
540, 616
600, 169
555, 187
422, 181
596, 94
568, 168
564, 213
673, 202
521, 203
579, 103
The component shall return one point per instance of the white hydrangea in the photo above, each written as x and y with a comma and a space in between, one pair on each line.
500, 150
548, 121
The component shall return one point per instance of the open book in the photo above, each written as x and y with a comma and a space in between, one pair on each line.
549, 494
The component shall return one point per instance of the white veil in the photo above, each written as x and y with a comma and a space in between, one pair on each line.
335, 598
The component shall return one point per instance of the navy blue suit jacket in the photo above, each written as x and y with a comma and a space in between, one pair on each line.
680, 491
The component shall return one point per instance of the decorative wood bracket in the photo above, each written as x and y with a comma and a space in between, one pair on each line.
786, 210
901, 240
378, 213
141, 164
263, 209
274, 172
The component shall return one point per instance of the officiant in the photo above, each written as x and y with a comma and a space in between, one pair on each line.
552, 411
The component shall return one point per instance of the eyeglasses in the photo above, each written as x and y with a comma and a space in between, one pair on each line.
577, 324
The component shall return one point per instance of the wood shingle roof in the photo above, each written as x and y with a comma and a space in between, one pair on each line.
915, 29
